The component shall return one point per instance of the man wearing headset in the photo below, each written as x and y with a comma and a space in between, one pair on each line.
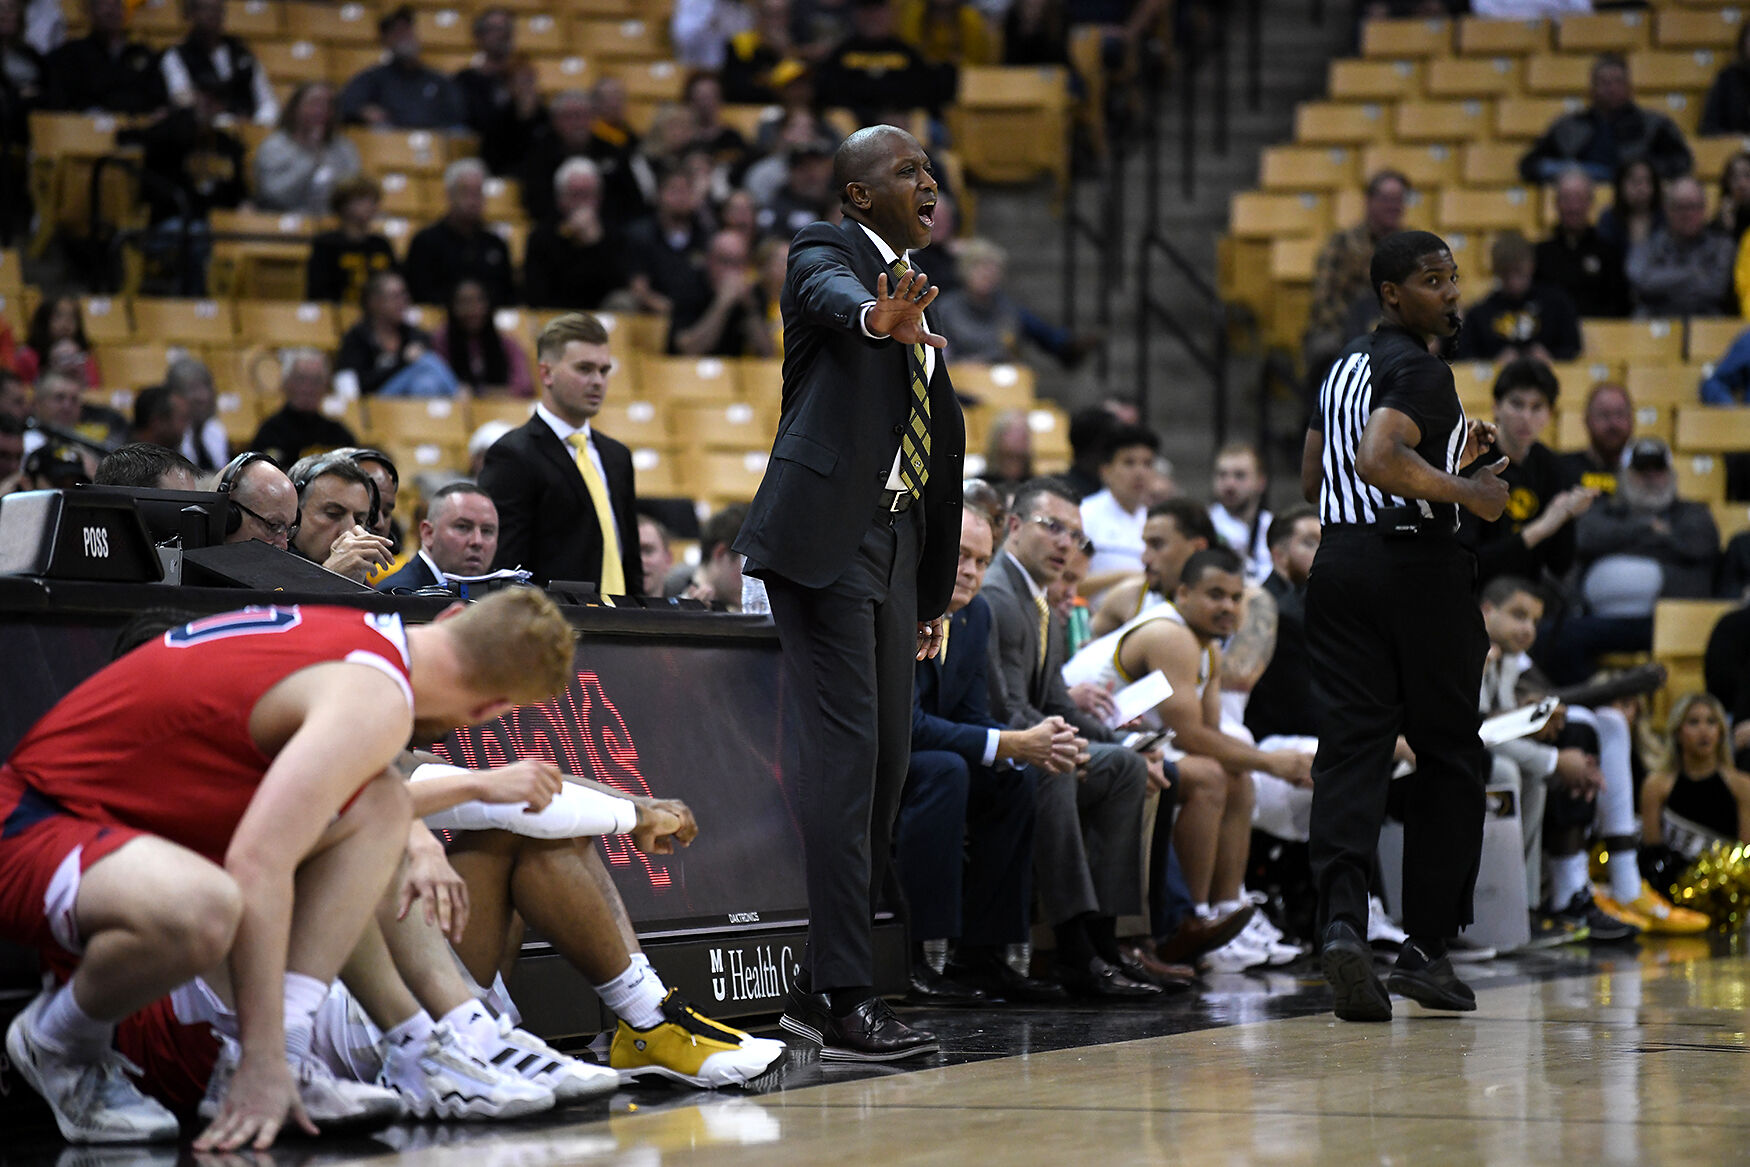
338, 506
263, 500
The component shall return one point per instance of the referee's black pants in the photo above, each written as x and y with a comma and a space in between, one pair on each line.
1396, 645
849, 661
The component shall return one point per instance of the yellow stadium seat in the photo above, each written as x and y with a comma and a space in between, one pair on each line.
439, 420
1710, 337
637, 422
702, 380
1576, 378
661, 474
1667, 69
1473, 77
1681, 627
1260, 214
1050, 426
409, 151
1528, 117
1732, 518
1425, 166
1684, 108
1663, 385
252, 19
1602, 32
621, 40
442, 28
1490, 163
1700, 477
542, 34
1340, 123
294, 59
1367, 80
1697, 28
1712, 154
1307, 168
1634, 340
1475, 383
175, 320
1570, 426
761, 382
347, 61
240, 413
510, 410
558, 74
1486, 209
1292, 261
1350, 206
11, 272
402, 195
724, 476
339, 24
106, 319
413, 458
133, 365
738, 426
1712, 429
1443, 121
285, 325
1011, 124
1558, 75
1002, 386
1406, 38
1481, 37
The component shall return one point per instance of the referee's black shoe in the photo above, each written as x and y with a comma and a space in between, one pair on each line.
1348, 966
1430, 981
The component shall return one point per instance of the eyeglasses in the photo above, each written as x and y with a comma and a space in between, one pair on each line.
275, 530
1059, 530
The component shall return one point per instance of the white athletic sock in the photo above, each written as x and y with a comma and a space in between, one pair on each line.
1624, 869
66, 1027
303, 995
1204, 911
635, 995
410, 1034
474, 1027
1567, 878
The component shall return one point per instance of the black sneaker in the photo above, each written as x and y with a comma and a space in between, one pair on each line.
1430, 983
871, 1033
1549, 930
1583, 912
1347, 962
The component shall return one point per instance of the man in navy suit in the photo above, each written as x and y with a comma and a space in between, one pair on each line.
458, 536
855, 531
964, 839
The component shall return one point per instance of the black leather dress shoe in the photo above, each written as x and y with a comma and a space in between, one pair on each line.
1102, 981
929, 987
1347, 962
999, 982
807, 1015
1433, 985
1139, 964
871, 1033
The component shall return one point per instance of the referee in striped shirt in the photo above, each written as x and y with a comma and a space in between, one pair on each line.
1393, 632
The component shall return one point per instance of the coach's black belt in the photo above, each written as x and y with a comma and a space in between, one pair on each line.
895, 502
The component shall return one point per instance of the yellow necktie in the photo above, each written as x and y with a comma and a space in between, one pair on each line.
942, 653
1044, 626
914, 465
613, 577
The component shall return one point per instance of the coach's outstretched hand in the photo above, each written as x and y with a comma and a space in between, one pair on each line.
901, 315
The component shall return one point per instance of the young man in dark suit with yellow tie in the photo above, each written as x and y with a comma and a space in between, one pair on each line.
564, 490
855, 531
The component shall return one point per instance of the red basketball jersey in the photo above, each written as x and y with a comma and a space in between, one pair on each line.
159, 740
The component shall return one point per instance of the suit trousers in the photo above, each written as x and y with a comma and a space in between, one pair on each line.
849, 661
1396, 644
1087, 844
964, 848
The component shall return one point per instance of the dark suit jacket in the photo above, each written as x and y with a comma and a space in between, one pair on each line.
412, 575
1023, 695
546, 519
845, 403
951, 702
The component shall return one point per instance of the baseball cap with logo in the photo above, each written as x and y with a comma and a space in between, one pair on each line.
1650, 454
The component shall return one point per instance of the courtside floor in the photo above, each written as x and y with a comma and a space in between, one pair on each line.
1626, 1057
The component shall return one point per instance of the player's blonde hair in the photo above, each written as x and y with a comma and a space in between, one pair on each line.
515, 644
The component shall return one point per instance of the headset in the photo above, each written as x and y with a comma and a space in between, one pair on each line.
228, 481
327, 463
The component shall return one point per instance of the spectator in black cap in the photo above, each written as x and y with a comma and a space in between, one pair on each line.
403, 92
55, 466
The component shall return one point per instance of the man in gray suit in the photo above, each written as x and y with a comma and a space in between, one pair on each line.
1087, 845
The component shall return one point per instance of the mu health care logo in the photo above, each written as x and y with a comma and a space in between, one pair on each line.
750, 972
581, 732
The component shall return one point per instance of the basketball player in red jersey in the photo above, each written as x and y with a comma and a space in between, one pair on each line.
221, 795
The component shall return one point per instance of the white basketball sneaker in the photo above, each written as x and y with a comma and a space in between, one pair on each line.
1267, 938
441, 1079
95, 1102
1237, 955
333, 1103
520, 1052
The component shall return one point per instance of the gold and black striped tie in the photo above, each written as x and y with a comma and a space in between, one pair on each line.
914, 447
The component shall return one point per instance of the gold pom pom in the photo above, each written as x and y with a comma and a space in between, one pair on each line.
1717, 884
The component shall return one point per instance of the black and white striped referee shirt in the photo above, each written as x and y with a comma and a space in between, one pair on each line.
1389, 368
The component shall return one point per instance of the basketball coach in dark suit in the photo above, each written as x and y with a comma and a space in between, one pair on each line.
856, 531
564, 490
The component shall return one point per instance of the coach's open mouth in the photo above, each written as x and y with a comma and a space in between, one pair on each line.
927, 213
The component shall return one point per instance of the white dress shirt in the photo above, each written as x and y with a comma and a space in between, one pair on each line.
887, 259
1116, 532
564, 430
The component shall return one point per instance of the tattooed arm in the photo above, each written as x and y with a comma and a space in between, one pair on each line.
1248, 654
